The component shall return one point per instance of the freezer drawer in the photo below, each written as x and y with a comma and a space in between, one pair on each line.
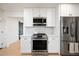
76, 48
71, 47
65, 48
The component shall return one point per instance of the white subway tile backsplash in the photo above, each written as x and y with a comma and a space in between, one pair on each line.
31, 30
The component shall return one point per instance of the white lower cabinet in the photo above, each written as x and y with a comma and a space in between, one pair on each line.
26, 45
53, 45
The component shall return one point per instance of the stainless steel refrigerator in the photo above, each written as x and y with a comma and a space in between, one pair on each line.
69, 36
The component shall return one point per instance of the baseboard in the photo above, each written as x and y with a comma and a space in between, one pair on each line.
53, 54
26, 54
10, 43
49, 54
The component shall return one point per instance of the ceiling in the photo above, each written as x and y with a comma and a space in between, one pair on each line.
7, 6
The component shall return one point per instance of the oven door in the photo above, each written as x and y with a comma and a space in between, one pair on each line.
39, 45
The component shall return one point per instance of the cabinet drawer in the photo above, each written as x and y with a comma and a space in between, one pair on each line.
26, 45
53, 45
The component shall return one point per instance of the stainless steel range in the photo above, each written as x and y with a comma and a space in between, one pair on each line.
39, 44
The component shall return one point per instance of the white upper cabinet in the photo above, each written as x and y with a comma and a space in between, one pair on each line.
28, 17
43, 12
48, 13
35, 12
66, 10
39, 12
50, 17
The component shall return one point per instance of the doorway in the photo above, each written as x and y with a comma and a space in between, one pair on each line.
20, 29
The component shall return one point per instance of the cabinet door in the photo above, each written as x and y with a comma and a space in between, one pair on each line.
26, 45
50, 17
43, 12
66, 10
28, 18
53, 46
36, 12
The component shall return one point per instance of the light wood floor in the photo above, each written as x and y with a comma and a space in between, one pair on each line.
14, 50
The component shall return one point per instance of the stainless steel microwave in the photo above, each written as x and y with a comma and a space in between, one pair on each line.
39, 21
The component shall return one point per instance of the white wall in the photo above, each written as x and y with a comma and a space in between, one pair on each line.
8, 27
1, 14
12, 17
13, 13
2, 30
11, 30
3, 40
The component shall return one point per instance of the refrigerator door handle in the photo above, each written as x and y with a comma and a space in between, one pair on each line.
66, 30
71, 30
